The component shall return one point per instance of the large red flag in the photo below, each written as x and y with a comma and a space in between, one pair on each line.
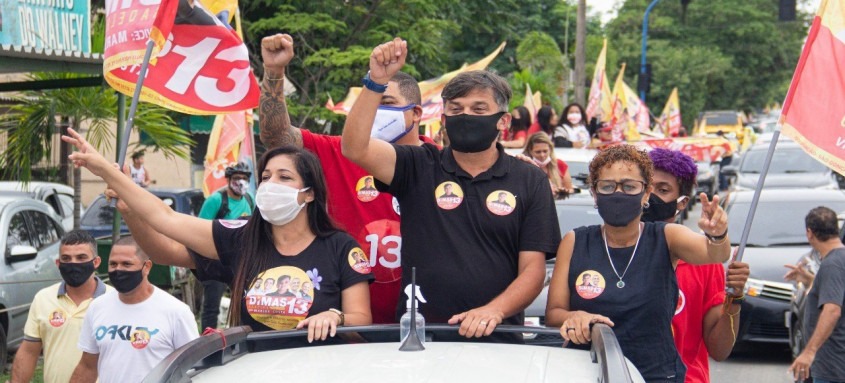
814, 111
199, 65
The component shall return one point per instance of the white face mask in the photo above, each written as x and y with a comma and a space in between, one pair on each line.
389, 124
543, 162
278, 203
573, 118
239, 187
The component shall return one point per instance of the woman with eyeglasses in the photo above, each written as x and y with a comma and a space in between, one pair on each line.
631, 265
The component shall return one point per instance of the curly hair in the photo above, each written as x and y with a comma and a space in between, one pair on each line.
621, 153
679, 165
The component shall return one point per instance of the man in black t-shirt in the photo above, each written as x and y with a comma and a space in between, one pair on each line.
477, 266
823, 358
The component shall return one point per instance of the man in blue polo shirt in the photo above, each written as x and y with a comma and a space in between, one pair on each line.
476, 265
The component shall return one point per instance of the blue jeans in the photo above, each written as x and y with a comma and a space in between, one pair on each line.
817, 380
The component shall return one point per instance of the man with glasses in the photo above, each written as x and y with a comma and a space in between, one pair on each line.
476, 266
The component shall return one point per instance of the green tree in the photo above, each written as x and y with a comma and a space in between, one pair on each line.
538, 55
31, 126
724, 54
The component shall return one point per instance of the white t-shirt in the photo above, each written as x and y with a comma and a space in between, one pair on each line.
576, 133
132, 339
138, 175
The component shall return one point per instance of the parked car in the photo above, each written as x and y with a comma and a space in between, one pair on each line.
58, 196
30, 233
791, 167
777, 237
100, 214
725, 121
573, 212
578, 161
201, 361
707, 180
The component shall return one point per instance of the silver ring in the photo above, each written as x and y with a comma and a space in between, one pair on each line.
483, 323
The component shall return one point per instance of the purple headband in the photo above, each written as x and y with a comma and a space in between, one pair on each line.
675, 163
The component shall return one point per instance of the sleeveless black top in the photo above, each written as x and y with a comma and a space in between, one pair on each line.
642, 310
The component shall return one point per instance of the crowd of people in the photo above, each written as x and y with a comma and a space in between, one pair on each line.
323, 247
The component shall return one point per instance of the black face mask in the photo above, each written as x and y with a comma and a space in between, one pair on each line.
76, 274
126, 281
619, 209
471, 133
658, 210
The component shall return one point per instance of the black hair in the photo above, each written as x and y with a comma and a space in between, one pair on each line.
822, 222
408, 87
138, 154
563, 115
467, 82
80, 237
544, 118
257, 239
524, 121
129, 241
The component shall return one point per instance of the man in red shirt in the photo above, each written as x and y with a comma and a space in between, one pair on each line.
703, 324
371, 217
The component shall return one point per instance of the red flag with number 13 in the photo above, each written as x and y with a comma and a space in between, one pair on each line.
199, 65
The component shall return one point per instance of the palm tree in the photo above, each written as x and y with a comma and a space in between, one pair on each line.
31, 126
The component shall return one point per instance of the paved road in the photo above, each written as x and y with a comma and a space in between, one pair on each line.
753, 363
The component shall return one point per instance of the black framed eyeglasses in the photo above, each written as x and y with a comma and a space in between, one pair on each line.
630, 187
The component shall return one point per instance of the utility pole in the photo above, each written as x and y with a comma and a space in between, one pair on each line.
581, 52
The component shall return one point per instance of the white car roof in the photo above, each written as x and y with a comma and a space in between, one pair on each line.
565, 154
16, 186
439, 362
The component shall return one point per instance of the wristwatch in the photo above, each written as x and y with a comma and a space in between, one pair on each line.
339, 313
372, 85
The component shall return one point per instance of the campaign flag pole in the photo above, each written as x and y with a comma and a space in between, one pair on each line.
142, 73
746, 230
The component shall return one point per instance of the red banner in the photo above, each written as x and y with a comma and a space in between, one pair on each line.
814, 110
200, 66
700, 149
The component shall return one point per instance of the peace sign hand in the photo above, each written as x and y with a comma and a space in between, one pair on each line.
714, 220
277, 52
387, 59
86, 156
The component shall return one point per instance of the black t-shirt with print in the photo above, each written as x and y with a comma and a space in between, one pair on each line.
304, 284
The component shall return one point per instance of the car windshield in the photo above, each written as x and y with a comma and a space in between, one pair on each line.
101, 214
783, 161
722, 119
789, 216
571, 215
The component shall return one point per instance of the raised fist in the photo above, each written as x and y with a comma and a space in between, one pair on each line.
387, 59
276, 52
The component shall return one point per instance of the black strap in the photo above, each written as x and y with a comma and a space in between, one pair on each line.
224, 204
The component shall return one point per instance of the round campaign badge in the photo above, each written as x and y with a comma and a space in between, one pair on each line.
366, 189
682, 301
140, 339
57, 318
233, 223
501, 202
358, 260
396, 206
281, 297
448, 195
589, 284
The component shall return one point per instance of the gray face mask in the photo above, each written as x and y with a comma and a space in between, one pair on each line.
619, 209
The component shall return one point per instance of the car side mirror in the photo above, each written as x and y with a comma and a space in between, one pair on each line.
729, 171
20, 253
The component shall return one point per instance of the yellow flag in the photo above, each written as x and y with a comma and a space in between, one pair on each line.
529, 103
618, 116
598, 97
670, 118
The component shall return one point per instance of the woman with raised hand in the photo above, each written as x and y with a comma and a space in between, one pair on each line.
292, 237
631, 265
